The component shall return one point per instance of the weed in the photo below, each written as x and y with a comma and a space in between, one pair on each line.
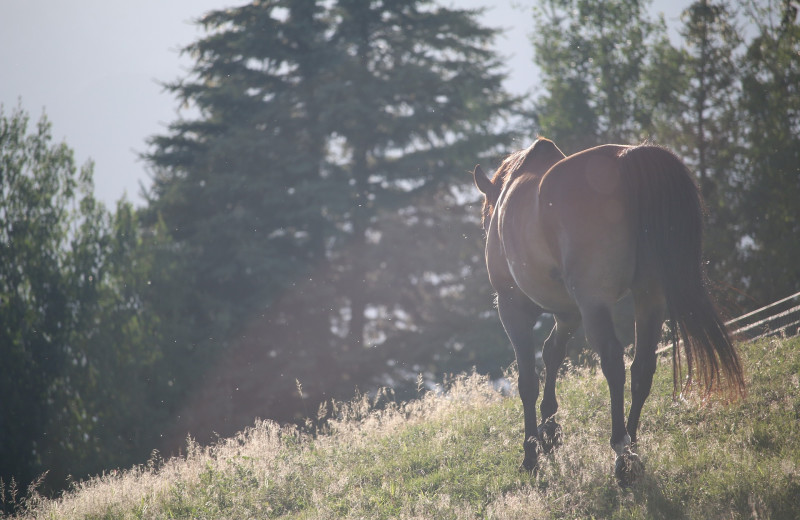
453, 453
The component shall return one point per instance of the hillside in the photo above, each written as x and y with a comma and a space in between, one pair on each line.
454, 454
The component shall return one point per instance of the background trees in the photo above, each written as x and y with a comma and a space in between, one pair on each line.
768, 182
697, 98
593, 58
311, 219
38, 182
80, 374
307, 200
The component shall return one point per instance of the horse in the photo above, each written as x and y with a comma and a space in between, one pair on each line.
573, 235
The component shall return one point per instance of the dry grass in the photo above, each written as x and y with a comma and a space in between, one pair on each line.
454, 454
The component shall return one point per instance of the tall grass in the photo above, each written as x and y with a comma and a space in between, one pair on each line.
455, 453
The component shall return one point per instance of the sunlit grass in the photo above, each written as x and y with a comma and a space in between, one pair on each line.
455, 454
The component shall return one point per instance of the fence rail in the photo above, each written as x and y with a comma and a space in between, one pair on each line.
778, 318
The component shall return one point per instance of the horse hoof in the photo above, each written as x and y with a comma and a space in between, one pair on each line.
531, 468
628, 468
551, 436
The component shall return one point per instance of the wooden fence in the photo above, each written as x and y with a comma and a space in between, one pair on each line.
780, 318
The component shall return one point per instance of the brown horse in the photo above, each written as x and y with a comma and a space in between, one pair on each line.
571, 236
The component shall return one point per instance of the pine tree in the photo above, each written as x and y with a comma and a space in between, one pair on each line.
592, 56
241, 188
322, 128
770, 179
424, 94
694, 92
712, 41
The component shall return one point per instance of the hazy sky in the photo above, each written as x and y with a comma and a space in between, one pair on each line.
94, 67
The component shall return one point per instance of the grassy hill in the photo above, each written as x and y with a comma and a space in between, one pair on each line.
454, 454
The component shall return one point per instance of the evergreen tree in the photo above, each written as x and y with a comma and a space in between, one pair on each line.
711, 40
770, 182
433, 312
425, 94
694, 93
592, 56
244, 189
322, 128
241, 188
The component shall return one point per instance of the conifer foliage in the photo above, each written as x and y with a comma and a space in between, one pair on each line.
300, 191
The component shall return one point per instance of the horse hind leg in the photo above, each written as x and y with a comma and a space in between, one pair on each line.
601, 336
649, 316
554, 352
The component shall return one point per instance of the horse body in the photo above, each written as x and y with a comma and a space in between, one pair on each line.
547, 221
573, 235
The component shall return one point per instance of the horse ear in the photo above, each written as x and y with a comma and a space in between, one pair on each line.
483, 183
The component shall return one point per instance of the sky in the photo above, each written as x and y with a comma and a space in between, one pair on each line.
95, 68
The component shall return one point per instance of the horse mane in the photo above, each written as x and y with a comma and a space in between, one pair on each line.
513, 163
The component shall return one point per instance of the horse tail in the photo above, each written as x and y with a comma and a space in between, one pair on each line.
670, 238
